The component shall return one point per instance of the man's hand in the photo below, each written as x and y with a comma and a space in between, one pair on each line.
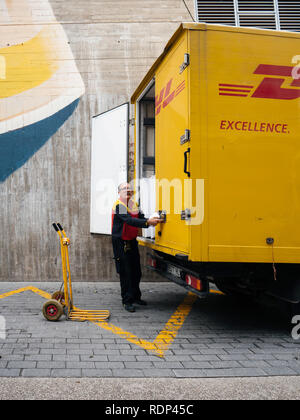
153, 221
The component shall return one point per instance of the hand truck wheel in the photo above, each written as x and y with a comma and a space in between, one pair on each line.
52, 310
59, 296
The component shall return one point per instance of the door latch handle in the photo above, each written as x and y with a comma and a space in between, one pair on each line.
186, 162
163, 215
185, 214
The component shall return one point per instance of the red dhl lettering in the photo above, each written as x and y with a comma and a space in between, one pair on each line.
164, 97
269, 87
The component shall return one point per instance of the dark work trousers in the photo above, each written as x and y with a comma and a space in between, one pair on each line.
127, 258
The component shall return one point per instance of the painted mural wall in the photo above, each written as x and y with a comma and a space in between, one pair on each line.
40, 85
61, 63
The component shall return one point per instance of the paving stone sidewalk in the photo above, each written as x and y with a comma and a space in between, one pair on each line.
221, 337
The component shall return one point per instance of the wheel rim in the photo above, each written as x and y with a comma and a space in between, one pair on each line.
52, 310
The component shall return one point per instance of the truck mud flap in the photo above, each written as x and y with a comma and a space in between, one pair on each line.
178, 274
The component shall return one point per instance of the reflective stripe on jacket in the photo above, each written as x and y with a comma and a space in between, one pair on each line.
126, 220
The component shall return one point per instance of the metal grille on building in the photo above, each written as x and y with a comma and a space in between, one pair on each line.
267, 14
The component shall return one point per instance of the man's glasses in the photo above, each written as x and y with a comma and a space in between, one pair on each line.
126, 189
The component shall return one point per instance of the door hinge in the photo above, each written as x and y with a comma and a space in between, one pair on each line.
185, 137
186, 62
132, 121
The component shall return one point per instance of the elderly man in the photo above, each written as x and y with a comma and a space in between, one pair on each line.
126, 221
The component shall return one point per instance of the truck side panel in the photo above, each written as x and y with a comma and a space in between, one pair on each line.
253, 147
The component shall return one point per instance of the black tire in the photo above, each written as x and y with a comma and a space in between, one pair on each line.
52, 310
59, 296
241, 294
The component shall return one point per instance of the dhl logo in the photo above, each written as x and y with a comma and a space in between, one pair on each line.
165, 96
270, 87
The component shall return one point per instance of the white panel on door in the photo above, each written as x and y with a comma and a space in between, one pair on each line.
108, 164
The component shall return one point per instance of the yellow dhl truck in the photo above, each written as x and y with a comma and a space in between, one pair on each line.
217, 154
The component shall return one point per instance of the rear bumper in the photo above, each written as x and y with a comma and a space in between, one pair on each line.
179, 274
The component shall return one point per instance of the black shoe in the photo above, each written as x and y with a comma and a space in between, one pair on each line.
129, 307
140, 302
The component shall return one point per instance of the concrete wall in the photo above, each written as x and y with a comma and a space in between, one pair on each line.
61, 63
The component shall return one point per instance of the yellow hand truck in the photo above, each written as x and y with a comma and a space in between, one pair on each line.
62, 301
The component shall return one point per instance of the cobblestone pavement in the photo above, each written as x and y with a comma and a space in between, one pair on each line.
221, 336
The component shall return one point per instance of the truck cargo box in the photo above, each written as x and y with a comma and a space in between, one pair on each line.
217, 143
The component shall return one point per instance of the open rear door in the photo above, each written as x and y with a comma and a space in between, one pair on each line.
109, 164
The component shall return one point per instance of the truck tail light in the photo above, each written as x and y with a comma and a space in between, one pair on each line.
193, 282
152, 262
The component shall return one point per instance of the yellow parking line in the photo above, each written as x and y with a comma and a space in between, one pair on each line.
168, 334
40, 292
216, 291
166, 337
163, 340
146, 345
23, 289
4, 295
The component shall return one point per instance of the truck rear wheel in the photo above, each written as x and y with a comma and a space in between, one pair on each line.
239, 292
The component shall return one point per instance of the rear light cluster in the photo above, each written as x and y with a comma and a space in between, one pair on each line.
152, 262
193, 282
189, 279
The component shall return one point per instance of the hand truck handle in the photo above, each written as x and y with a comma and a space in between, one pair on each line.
55, 227
60, 226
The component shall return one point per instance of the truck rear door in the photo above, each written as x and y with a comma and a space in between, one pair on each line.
172, 148
109, 164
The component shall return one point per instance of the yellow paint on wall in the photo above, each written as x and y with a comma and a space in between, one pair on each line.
27, 65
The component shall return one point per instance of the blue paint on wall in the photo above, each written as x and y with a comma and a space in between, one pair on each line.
17, 146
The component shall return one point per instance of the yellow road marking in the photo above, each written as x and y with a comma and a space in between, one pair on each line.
167, 335
23, 289
146, 345
216, 291
164, 339
40, 292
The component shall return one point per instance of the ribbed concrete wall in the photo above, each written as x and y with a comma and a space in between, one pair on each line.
111, 43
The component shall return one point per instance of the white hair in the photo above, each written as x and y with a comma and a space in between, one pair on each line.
121, 185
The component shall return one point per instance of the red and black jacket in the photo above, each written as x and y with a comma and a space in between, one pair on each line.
126, 221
